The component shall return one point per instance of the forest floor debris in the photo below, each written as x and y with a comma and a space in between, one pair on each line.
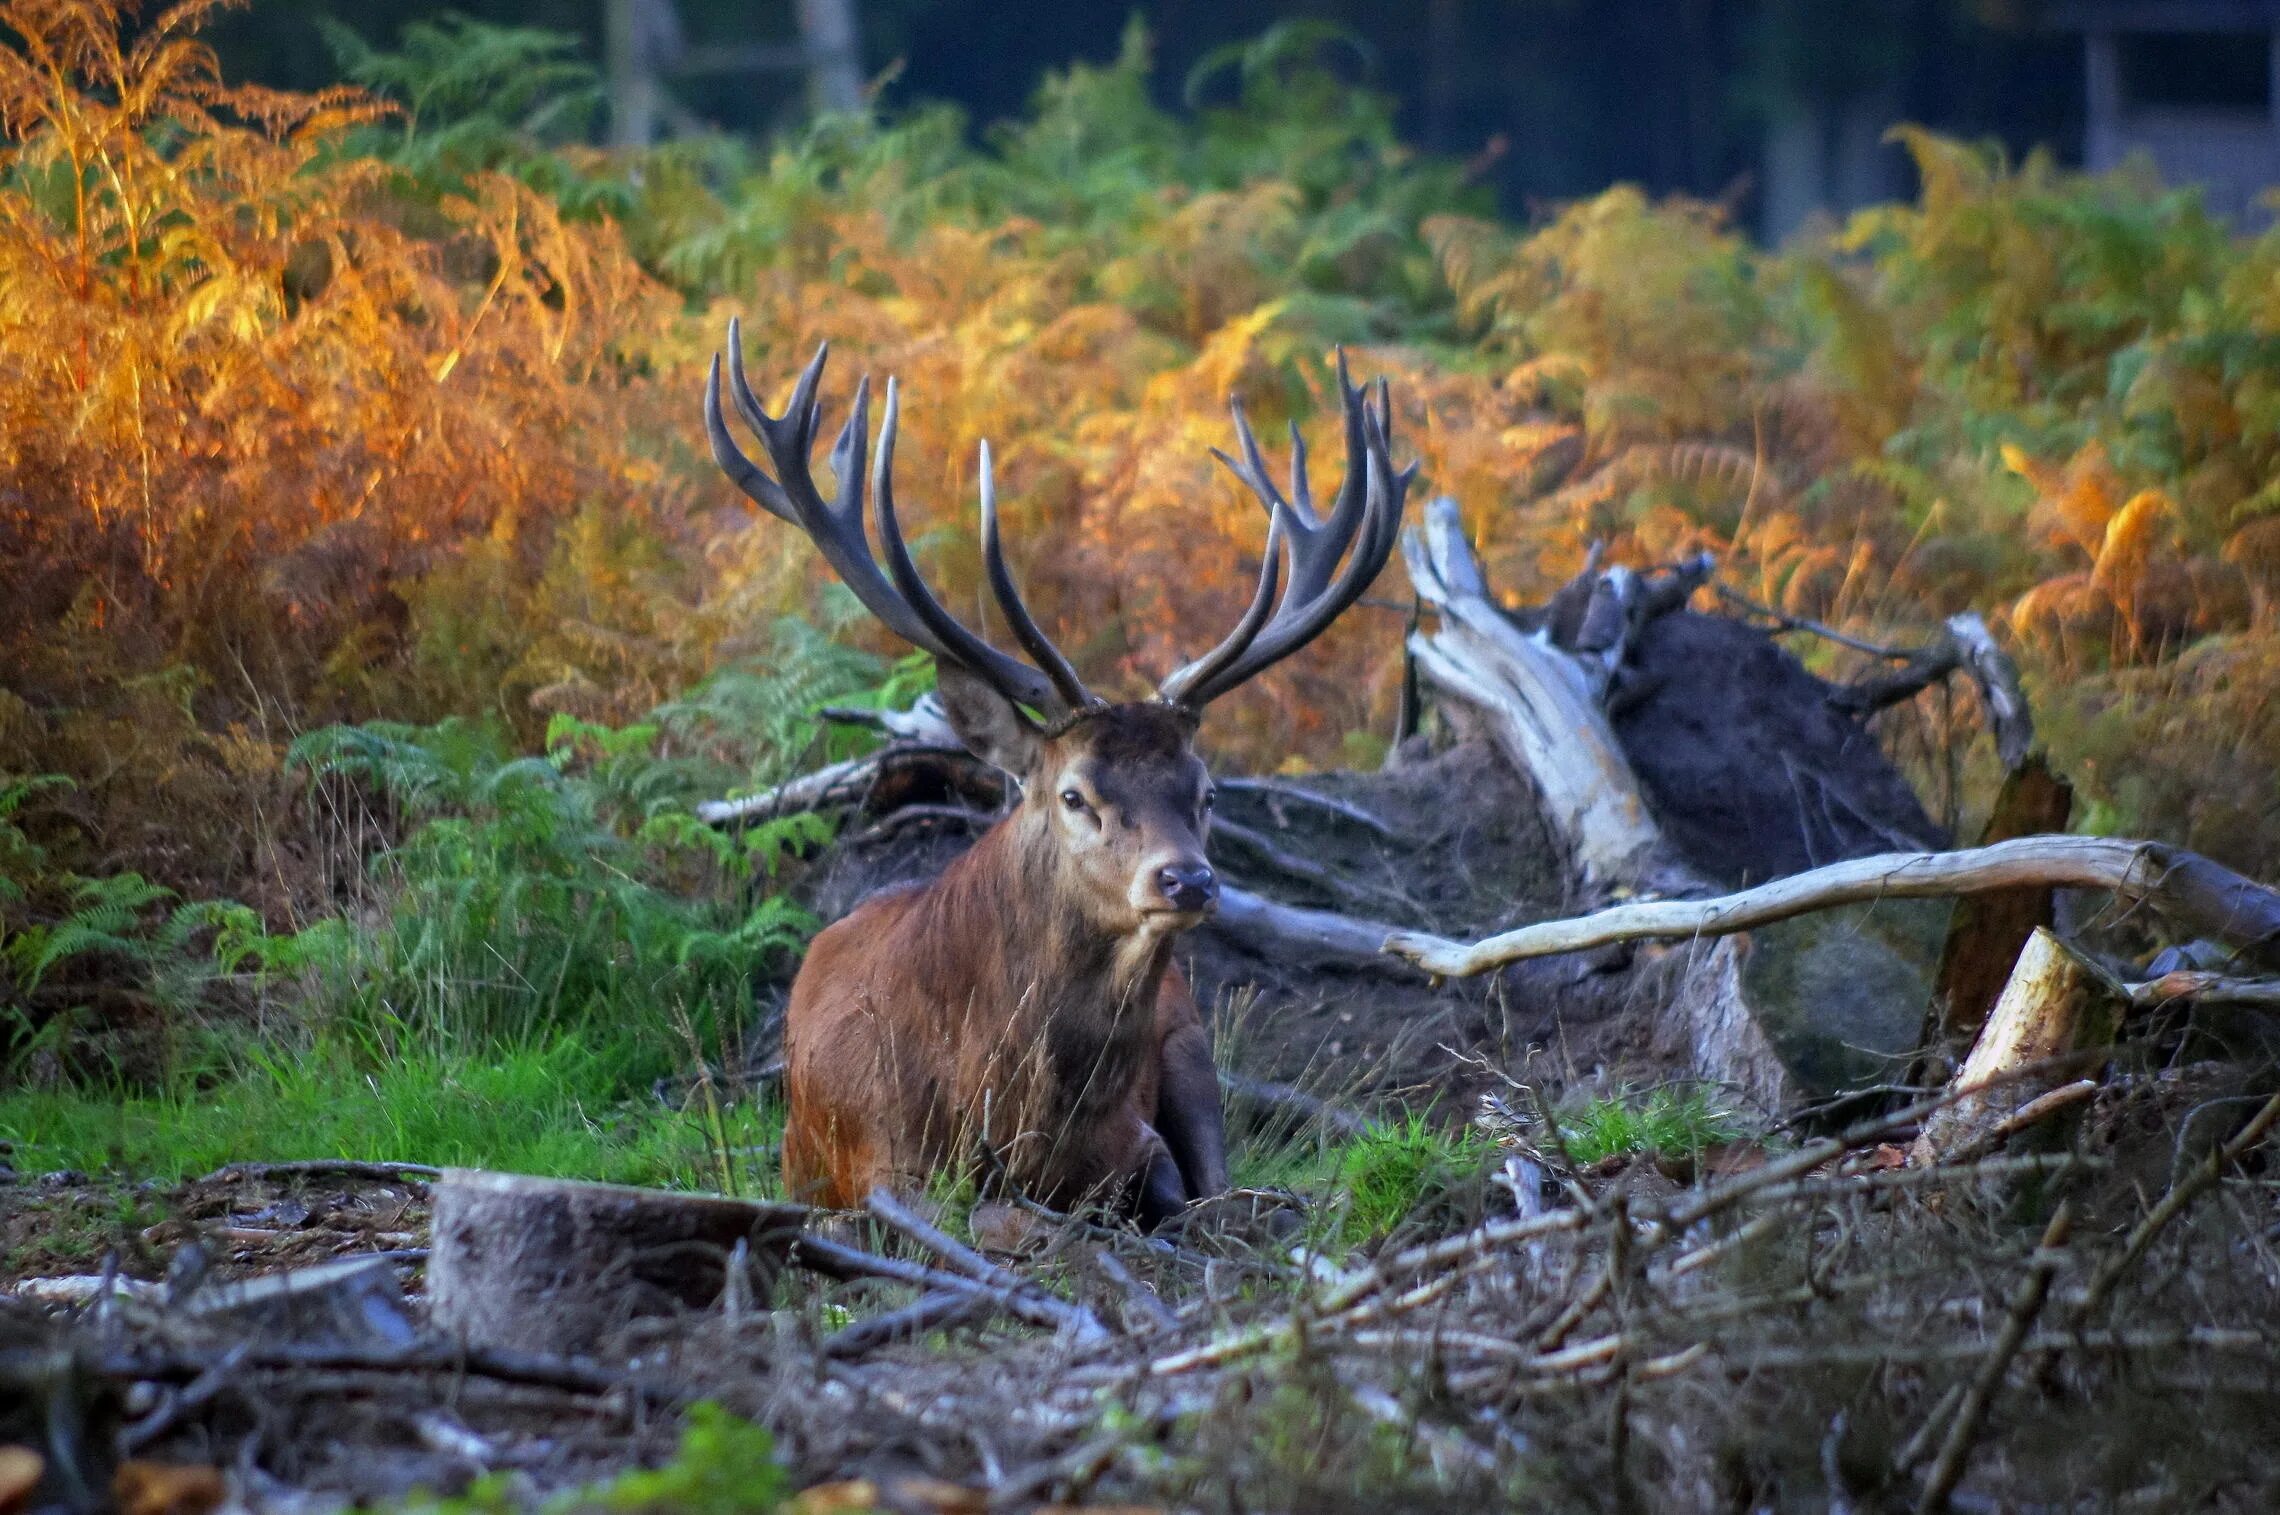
1815, 1325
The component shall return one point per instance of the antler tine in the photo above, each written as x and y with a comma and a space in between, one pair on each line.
1301, 492
1365, 518
950, 638
1253, 469
1026, 631
741, 470
837, 527
1176, 687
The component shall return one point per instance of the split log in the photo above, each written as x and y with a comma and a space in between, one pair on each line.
2203, 895
2057, 1012
551, 1265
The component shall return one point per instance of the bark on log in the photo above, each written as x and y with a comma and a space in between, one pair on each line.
551, 1265
2204, 895
2056, 1011
1817, 1007
1725, 1036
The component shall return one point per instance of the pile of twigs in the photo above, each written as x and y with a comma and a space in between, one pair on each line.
1830, 1327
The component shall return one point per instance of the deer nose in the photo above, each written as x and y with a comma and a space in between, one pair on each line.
1188, 886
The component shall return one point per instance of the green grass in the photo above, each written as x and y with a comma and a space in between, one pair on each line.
1385, 1175
559, 1109
724, 1466
1662, 1122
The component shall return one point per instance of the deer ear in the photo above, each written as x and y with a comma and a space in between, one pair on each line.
992, 726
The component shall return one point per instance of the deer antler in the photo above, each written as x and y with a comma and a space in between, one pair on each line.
905, 605
1366, 516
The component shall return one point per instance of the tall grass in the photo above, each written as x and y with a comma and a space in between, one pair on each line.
560, 1108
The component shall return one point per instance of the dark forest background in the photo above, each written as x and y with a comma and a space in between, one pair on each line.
1547, 99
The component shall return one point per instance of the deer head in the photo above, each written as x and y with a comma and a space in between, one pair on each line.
1113, 796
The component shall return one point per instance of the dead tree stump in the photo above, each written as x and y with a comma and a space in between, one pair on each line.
550, 1265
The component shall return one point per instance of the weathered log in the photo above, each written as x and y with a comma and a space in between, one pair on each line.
2057, 1012
2204, 895
1538, 707
551, 1265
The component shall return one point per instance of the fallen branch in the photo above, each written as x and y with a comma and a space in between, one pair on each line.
923, 723
1966, 647
1277, 790
835, 783
933, 1312
1027, 1304
2204, 989
536, 1369
1305, 870
1074, 1318
2206, 895
1784, 621
2030, 1114
2173, 1204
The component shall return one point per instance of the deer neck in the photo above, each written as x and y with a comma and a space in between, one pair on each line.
1058, 964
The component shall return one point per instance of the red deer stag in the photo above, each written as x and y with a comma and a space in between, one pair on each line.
1025, 1001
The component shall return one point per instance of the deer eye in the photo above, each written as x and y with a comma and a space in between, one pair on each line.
1210, 798
1074, 801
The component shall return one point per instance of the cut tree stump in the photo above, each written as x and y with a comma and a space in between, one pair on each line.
2054, 1021
549, 1265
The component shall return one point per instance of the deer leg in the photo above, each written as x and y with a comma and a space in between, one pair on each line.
1162, 1194
1187, 1111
